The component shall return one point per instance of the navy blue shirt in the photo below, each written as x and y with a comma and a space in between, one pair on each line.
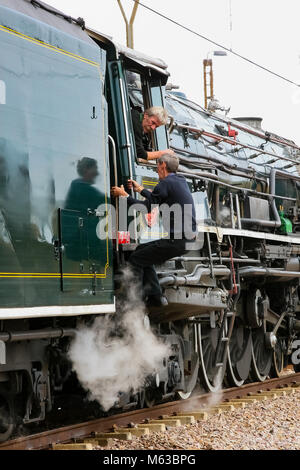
172, 193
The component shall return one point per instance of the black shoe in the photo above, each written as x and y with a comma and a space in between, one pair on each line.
156, 301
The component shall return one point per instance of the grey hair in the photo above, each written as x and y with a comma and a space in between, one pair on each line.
160, 112
172, 162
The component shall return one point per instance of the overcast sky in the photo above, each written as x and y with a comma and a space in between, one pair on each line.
265, 31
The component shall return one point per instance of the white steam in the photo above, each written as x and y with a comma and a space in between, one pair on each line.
216, 397
110, 358
211, 400
225, 216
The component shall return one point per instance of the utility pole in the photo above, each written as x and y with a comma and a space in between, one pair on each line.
208, 76
208, 83
129, 25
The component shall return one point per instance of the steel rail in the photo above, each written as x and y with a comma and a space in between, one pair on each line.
82, 430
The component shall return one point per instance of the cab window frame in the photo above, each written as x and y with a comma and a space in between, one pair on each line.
148, 84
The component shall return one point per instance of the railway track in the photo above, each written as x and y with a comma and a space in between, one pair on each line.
124, 425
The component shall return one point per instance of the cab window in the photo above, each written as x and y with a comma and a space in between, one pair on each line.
142, 95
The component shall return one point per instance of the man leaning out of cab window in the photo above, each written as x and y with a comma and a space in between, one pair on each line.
143, 125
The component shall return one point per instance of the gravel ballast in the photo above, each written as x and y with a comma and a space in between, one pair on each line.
270, 425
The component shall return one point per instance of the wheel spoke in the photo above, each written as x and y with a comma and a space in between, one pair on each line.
278, 360
239, 355
210, 375
261, 356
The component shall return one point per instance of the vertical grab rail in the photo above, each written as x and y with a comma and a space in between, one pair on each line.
114, 155
128, 146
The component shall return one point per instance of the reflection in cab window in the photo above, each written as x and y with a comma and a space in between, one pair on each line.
135, 93
79, 222
82, 194
143, 141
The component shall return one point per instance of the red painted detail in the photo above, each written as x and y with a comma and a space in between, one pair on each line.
123, 238
232, 132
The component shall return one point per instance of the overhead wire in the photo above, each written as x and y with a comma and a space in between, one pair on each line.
216, 43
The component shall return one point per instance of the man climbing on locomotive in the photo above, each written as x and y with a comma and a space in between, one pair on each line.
172, 193
143, 125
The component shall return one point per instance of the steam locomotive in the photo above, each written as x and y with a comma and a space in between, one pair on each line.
233, 315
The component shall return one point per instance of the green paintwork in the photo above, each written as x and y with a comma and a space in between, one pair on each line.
49, 249
286, 224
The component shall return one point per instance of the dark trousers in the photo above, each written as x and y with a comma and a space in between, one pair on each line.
148, 254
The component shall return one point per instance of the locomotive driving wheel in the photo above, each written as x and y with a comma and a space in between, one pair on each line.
149, 398
239, 354
278, 360
7, 417
211, 375
261, 356
184, 395
190, 367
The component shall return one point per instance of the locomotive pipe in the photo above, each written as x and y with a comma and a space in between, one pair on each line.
195, 277
267, 223
235, 172
226, 185
217, 203
212, 275
201, 174
238, 213
286, 175
238, 125
10, 337
230, 169
262, 135
253, 271
232, 142
211, 158
210, 177
226, 260
231, 211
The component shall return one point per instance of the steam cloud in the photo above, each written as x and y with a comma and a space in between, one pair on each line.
225, 216
109, 360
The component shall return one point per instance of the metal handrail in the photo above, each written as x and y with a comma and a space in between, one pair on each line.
114, 155
128, 146
234, 142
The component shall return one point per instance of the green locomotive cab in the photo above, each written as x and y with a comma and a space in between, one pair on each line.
55, 172
55, 191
